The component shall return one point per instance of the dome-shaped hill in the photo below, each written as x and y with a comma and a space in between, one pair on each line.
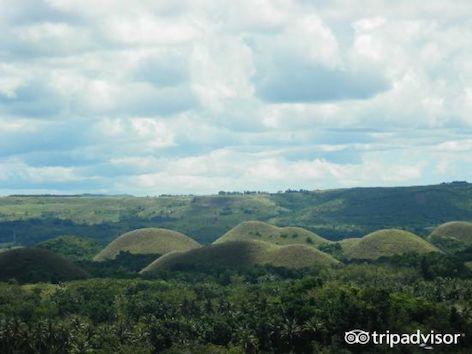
261, 231
299, 256
236, 254
386, 243
452, 233
147, 241
30, 265
348, 243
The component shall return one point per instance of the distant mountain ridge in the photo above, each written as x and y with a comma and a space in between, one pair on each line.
332, 214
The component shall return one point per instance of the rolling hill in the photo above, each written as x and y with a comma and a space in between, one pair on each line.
147, 241
334, 214
258, 230
237, 254
460, 230
452, 236
385, 243
348, 244
31, 265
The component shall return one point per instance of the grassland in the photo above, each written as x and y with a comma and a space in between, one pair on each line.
348, 244
386, 243
453, 237
458, 230
37, 265
240, 254
147, 241
258, 230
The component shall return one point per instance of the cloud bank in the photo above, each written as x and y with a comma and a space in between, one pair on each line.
195, 96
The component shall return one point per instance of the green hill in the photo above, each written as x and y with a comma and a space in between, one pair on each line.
31, 265
386, 243
147, 241
258, 230
72, 247
236, 254
348, 244
452, 236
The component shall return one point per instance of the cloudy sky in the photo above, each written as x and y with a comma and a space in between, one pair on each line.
197, 96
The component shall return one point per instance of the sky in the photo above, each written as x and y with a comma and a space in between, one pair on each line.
197, 96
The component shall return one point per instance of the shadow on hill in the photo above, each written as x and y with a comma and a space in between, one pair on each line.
32, 265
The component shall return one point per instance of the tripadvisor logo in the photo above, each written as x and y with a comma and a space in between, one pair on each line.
358, 336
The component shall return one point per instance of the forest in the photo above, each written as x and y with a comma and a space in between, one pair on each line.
252, 310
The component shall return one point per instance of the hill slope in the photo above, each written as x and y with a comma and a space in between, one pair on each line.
387, 243
258, 230
31, 265
458, 230
348, 244
147, 241
237, 254
72, 247
452, 236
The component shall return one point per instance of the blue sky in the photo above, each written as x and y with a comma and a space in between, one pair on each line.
197, 96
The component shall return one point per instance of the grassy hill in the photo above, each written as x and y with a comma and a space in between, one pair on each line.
452, 236
72, 247
386, 243
147, 241
258, 230
332, 214
459, 230
236, 254
31, 265
348, 244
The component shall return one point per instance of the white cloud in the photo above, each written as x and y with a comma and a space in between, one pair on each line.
196, 96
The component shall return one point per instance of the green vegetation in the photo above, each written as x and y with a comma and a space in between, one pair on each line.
72, 247
430, 265
147, 241
124, 265
240, 254
454, 236
348, 244
255, 310
30, 265
261, 288
460, 230
332, 214
334, 249
385, 243
258, 230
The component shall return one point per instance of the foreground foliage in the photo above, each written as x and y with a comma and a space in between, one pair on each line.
258, 309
